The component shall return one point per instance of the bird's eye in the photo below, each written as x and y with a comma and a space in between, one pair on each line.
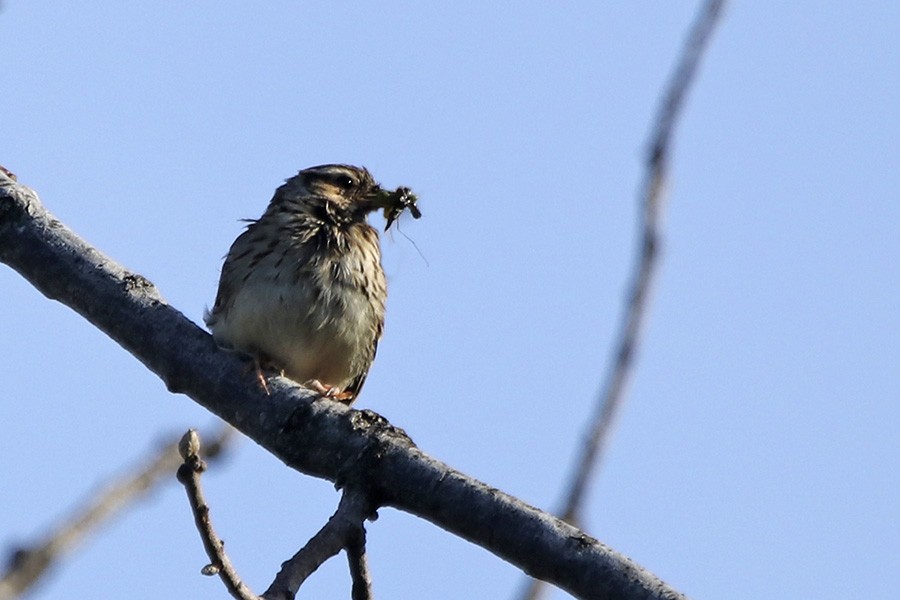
345, 182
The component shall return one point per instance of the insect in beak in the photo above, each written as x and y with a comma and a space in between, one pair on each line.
394, 203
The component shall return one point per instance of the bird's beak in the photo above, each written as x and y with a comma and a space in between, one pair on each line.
380, 198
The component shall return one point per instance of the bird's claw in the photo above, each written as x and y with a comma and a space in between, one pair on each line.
328, 391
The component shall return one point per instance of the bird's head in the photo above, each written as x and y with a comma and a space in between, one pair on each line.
342, 194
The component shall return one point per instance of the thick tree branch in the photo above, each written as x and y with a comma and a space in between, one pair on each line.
317, 437
30, 563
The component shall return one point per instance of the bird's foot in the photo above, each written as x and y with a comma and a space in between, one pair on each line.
328, 391
255, 367
258, 365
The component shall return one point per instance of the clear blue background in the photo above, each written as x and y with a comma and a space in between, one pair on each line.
758, 454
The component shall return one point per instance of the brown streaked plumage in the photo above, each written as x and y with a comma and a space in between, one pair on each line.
303, 288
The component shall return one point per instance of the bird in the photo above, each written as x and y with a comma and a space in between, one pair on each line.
302, 289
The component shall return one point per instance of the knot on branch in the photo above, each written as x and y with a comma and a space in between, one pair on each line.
12, 203
356, 470
134, 282
373, 424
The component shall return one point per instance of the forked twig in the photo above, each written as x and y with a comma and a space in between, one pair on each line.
344, 530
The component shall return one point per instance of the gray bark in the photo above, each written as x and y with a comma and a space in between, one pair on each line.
313, 436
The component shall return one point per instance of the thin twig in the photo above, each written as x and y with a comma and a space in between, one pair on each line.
189, 476
343, 530
344, 526
651, 201
359, 566
31, 562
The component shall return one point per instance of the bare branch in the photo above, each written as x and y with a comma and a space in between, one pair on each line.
343, 530
311, 435
651, 200
30, 563
651, 210
189, 475
359, 566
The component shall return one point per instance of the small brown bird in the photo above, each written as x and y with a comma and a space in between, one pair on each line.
302, 289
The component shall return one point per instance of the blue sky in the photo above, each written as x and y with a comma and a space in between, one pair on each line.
758, 454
